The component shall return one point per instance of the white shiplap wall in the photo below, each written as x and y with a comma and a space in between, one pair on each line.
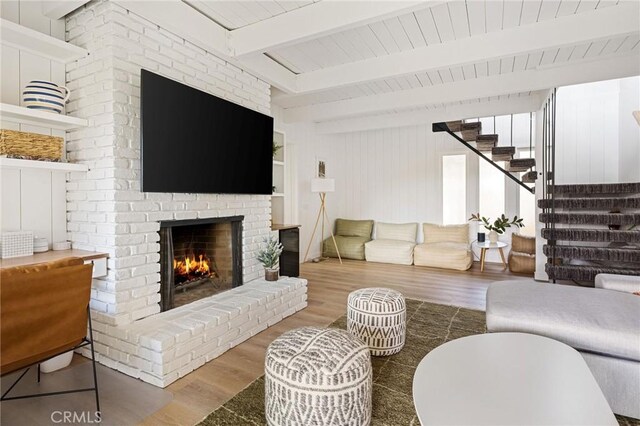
392, 175
629, 149
32, 200
587, 148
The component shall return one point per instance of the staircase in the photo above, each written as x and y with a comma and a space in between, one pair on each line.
486, 146
591, 229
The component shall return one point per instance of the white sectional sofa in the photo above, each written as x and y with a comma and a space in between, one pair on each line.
394, 243
445, 246
602, 323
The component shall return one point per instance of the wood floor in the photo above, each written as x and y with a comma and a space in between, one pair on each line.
204, 390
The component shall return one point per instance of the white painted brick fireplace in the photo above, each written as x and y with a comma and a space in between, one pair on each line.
108, 213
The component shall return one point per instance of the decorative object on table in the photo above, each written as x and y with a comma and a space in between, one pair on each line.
319, 376
378, 316
276, 148
31, 146
40, 245
61, 245
45, 96
498, 226
16, 244
481, 236
269, 256
322, 186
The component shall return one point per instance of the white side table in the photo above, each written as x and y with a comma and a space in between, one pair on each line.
507, 379
488, 246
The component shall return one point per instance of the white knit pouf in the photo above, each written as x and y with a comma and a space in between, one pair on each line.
378, 317
318, 376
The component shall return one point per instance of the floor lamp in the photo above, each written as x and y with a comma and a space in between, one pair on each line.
322, 186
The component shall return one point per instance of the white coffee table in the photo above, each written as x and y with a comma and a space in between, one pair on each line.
507, 379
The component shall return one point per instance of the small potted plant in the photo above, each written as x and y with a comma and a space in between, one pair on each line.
269, 256
498, 226
276, 148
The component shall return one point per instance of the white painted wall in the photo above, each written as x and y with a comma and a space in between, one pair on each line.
32, 200
390, 175
587, 133
629, 130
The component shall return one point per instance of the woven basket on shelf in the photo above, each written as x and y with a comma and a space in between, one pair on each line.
30, 146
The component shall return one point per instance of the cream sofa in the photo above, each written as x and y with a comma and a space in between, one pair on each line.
394, 243
445, 246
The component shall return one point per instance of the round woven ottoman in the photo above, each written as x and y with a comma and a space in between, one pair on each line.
378, 316
317, 376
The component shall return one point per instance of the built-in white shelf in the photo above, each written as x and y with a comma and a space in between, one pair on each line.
277, 194
15, 163
23, 38
278, 163
35, 117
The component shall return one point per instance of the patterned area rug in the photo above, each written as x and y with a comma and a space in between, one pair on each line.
428, 326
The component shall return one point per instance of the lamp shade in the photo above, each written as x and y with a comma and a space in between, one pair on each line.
323, 185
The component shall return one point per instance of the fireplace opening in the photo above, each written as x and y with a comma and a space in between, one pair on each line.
199, 258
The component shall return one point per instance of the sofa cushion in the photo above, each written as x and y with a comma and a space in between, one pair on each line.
443, 255
445, 233
589, 319
354, 228
389, 251
523, 244
350, 247
396, 231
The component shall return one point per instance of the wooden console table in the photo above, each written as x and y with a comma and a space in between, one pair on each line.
99, 260
289, 236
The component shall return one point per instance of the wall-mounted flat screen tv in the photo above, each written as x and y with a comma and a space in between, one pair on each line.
194, 142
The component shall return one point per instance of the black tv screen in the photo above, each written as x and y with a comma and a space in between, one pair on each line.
194, 142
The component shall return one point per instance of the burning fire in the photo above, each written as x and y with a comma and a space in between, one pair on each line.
191, 268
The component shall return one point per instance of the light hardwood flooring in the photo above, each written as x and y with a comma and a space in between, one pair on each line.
204, 390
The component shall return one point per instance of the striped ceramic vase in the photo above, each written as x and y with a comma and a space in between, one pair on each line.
45, 96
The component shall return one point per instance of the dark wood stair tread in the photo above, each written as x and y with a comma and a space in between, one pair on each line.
470, 130
592, 203
521, 164
503, 153
597, 189
591, 218
454, 126
611, 254
530, 177
584, 272
597, 235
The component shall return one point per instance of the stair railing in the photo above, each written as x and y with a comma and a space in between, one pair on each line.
548, 169
442, 127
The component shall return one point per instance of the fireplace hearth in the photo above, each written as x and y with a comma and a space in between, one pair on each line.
199, 258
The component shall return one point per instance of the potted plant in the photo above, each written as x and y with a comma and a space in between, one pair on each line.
269, 256
498, 226
276, 148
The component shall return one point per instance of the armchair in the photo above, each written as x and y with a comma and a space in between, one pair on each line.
351, 236
44, 312
445, 246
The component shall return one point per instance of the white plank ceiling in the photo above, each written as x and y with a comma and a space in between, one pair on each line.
233, 14
308, 59
540, 59
445, 22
